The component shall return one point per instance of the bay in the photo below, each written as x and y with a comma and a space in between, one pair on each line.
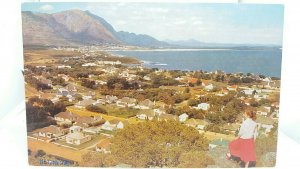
266, 62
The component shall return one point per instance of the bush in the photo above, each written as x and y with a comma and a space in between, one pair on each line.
40, 153
96, 109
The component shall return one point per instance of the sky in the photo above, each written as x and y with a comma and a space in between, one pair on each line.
214, 23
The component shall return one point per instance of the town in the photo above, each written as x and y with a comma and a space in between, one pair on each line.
78, 98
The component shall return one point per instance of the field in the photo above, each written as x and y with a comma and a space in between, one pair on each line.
45, 56
84, 112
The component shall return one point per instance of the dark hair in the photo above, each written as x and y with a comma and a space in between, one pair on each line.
251, 114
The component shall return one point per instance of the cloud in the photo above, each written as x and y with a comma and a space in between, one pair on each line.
47, 7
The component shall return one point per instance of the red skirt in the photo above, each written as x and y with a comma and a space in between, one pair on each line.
243, 148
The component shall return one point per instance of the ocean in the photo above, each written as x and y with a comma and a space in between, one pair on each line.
264, 61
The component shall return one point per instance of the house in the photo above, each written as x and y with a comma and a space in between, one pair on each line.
88, 64
145, 104
110, 125
64, 67
264, 111
103, 146
265, 123
51, 132
159, 111
192, 80
76, 136
232, 88
209, 87
205, 83
167, 117
55, 99
146, 115
196, 123
126, 102
45, 81
218, 143
84, 103
248, 91
65, 118
248, 101
231, 127
86, 121
63, 76
147, 78
219, 72
111, 99
122, 124
124, 74
71, 87
64, 92
203, 106
183, 117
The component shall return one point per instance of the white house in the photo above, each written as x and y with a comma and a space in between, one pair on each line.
145, 115
159, 111
76, 137
248, 91
203, 106
89, 64
112, 125
183, 117
209, 87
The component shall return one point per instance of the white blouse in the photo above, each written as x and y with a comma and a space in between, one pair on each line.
248, 129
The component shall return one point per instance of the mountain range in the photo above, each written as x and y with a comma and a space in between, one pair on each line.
77, 27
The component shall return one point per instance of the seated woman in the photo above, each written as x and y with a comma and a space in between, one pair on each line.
243, 147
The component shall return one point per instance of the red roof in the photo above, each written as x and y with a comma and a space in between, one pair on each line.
193, 80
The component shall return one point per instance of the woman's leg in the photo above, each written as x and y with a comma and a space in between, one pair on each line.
246, 164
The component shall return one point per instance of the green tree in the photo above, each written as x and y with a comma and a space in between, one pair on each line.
156, 143
195, 159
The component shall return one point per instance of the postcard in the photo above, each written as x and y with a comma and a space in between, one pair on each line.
140, 85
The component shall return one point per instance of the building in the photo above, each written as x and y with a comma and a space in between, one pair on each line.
146, 115
65, 118
203, 106
145, 104
84, 103
51, 132
126, 102
183, 117
76, 136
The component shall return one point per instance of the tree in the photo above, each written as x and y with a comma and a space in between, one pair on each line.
193, 102
195, 159
96, 109
156, 143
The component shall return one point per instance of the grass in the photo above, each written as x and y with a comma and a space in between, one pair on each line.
95, 140
212, 136
84, 112
113, 110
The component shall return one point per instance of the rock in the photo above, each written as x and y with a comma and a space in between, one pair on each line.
268, 159
219, 156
